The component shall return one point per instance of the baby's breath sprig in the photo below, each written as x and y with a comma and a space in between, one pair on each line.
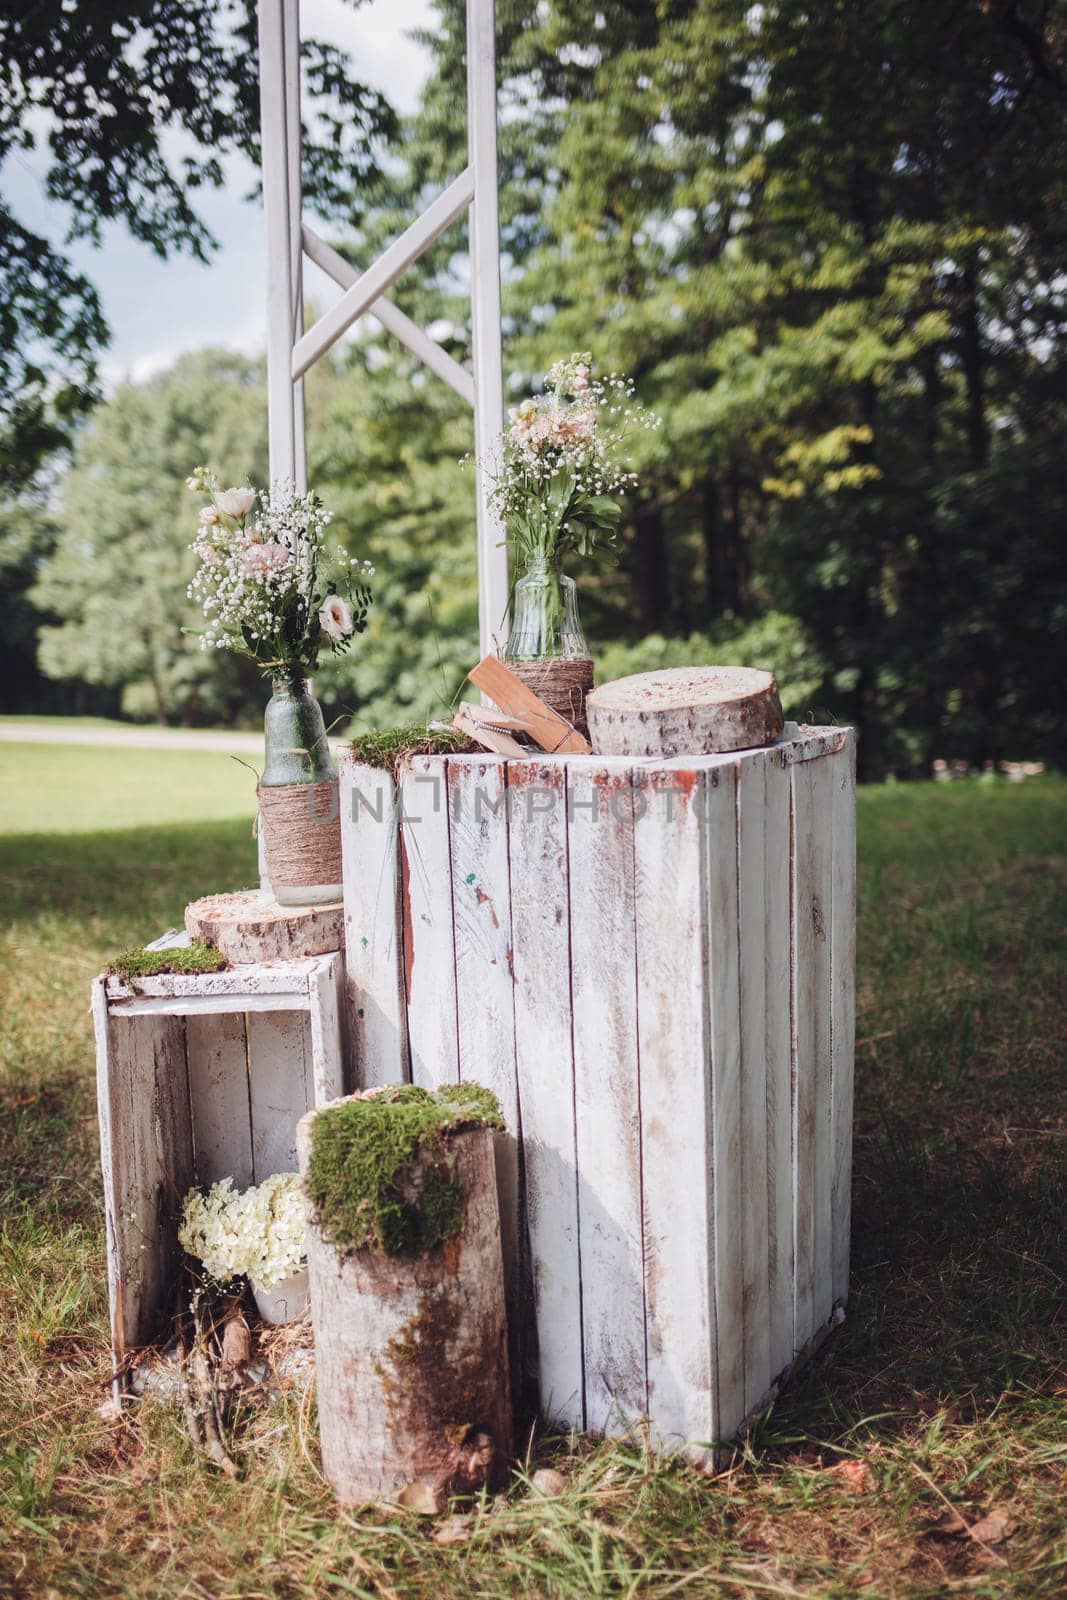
266, 584
564, 463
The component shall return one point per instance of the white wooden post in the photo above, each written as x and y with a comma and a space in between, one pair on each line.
485, 313
291, 350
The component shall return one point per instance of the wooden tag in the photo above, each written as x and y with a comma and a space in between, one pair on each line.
551, 731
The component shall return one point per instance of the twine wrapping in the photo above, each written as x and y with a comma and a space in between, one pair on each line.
301, 833
561, 684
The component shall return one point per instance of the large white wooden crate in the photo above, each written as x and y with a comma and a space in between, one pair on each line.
652, 964
200, 1077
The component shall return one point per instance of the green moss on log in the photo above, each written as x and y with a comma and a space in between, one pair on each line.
142, 963
392, 749
379, 1170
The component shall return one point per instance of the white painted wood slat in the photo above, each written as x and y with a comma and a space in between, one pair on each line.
279, 1087
726, 1152
600, 803
777, 957
755, 1005
429, 949
374, 980
544, 1064
485, 1002
843, 1008
674, 1043
217, 1052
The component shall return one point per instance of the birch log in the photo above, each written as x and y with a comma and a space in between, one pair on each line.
411, 1352
685, 711
249, 927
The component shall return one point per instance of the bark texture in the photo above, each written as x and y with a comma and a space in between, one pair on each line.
248, 927
411, 1353
685, 711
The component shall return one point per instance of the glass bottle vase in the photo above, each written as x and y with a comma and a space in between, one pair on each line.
545, 624
302, 833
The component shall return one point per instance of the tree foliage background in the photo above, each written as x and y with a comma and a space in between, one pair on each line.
828, 242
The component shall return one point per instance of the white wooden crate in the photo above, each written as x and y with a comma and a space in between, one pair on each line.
652, 964
201, 1077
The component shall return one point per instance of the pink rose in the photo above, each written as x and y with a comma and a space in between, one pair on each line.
259, 560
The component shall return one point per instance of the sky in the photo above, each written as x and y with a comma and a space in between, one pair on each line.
157, 309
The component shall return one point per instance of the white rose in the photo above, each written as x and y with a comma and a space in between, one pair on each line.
335, 617
236, 502
208, 515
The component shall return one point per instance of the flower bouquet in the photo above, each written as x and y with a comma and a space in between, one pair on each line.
257, 1234
563, 470
270, 591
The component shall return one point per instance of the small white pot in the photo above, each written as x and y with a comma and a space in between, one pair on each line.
285, 1301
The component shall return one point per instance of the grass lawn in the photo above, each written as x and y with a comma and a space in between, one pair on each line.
945, 1391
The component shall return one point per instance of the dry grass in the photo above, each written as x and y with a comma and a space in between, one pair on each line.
946, 1388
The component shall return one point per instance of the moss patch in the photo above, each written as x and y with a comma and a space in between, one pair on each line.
379, 1172
142, 963
390, 750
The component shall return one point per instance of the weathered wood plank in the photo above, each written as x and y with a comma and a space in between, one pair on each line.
778, 1034
277, 978
280, 1087
674, 1043
325, 996
374, 980
804, 1001
146, 1143
754, 1004
822, 800
217, 1052
429, 950
600, 801
726, 1153
485, 1001
544, 1064
209, 1005
843, 1007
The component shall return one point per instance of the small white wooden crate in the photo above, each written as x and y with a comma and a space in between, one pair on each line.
652, 965
200, 1077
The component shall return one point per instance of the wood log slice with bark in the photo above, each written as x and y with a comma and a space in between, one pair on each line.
411, 1352
249, 927
685, 711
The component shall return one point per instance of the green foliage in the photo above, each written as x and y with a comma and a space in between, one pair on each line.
114, 587
379, 1175
138, 103
142, 963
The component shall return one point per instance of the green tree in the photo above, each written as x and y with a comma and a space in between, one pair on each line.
138, 104
115, 585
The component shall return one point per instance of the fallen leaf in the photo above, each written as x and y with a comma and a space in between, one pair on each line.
856, 1475
420, 1497
993, 1527
455, 1530
547, 1481
236, 1343
989, 1529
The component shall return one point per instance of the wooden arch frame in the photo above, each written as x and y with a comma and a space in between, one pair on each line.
291, 350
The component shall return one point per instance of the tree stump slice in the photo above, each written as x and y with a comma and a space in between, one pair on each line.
685, 711
411, 1354
250, 927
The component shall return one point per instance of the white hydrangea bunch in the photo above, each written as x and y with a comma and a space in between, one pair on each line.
267, 585
564, 461
258, 1234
